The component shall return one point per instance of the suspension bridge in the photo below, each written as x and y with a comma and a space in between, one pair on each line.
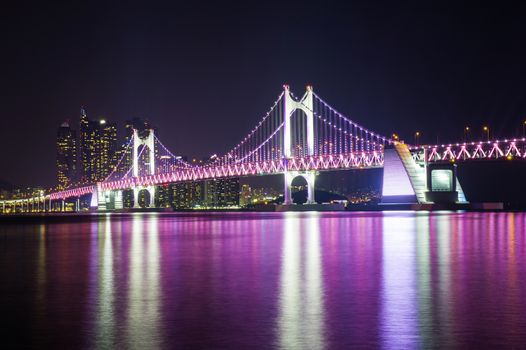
297, 137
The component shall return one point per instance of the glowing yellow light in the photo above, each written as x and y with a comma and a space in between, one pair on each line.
485, 128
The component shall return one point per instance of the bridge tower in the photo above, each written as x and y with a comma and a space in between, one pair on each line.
101, 198
149, 142
289, 106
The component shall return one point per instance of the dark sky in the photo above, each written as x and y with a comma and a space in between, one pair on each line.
205, 74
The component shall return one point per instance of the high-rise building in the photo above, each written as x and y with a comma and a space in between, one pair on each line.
187, 195
66, 155
107, 148
88, 140
98, 148
222, 193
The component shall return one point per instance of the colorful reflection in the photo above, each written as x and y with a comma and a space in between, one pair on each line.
399, 313
301, 318
394, 280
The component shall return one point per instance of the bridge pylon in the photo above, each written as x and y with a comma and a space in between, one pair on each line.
149, 142
290, 105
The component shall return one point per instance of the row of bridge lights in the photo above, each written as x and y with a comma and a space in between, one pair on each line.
467, 130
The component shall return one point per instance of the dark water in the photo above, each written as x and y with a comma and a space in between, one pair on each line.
397, 280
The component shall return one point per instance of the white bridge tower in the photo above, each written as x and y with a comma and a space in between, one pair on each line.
289, 106
149, 142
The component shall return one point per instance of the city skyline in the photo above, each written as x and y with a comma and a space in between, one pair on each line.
426, 68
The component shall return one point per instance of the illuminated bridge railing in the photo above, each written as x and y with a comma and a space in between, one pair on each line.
487, 150
343, 161
74, 192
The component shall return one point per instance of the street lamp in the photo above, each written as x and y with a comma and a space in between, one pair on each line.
417, 136
466, 134
486, 130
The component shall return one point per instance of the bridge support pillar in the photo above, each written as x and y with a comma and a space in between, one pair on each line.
287, 190
305, 104
149, 142
136, 191
310, 178
151, 192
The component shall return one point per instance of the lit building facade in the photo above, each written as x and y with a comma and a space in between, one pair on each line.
66, 160
220, 193
98, 148
107, 148
187, 195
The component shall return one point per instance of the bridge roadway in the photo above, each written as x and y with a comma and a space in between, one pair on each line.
311, 163
455, 152
55, 200
465, 151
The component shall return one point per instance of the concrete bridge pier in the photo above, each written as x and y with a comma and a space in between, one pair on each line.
310, 178
151, 192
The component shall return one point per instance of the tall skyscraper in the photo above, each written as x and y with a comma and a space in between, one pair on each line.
89, 134
187, 195
98, 148
66, 155
107, 148
222, 192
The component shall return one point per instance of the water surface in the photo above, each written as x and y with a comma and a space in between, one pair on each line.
395, 280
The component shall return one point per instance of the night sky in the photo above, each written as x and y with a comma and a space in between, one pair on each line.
205, 74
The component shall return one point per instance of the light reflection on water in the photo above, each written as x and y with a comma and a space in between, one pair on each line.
301, 287
399, 309
267, 280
